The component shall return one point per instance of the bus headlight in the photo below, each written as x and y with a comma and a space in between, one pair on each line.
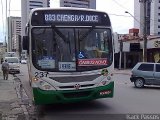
105, 81
46, 86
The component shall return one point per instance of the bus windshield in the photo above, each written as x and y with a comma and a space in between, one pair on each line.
80, 48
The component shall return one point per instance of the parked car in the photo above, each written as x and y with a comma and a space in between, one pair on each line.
145, 73
23, 62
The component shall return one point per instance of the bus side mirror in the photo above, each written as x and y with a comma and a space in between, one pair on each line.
26, 43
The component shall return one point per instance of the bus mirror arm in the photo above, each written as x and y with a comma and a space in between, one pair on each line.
26, 43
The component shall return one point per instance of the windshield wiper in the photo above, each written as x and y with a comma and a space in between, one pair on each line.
86, 34
60, 34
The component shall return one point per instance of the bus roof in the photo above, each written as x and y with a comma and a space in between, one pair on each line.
65, 8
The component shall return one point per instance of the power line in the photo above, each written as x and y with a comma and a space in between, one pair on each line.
120, 5
118, 15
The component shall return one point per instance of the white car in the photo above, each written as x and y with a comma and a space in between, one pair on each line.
14, 66
23, 62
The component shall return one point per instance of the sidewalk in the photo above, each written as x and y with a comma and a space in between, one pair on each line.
122, 71
10, 108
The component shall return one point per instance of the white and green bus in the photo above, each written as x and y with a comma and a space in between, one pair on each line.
70, 55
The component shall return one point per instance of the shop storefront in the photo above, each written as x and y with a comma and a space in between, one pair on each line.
134, 53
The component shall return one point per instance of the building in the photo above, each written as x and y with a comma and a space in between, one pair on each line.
155, 17
78, 3
13, 31
152, 16
2, 50
129, 49
27, 6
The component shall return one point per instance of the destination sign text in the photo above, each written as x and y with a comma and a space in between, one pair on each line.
71, 18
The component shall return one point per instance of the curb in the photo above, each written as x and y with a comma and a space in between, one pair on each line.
21, 94
122, 73
10, 108
28, 109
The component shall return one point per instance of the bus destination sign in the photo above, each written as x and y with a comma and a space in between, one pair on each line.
70, 18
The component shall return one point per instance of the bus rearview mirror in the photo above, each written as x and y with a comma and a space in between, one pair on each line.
26, 43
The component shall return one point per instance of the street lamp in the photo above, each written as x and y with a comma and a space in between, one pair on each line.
144, 35
133, 17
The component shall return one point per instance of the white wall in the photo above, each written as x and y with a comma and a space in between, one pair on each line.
25, 11
154, 17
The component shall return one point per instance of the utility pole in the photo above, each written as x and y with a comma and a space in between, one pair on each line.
144, 2
20, 46
120, 54
6, 27
145, 33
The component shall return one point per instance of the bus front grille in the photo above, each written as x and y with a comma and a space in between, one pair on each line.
69, 79
65, 87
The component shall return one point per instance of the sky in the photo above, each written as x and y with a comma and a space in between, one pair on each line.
121, 21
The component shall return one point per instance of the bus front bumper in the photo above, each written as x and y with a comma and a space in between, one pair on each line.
69, 96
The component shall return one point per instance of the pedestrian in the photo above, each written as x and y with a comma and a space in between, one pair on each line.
5, 69
1, 60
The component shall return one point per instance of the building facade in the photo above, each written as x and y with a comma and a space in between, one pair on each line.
2, 50
27, 6
152, 16
155, 17
129, 49
14, 31
78, 3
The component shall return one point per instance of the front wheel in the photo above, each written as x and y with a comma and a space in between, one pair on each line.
139, 83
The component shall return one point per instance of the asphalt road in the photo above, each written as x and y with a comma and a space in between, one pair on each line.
127, 100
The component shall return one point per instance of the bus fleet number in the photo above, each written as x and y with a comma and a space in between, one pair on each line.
41, 74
